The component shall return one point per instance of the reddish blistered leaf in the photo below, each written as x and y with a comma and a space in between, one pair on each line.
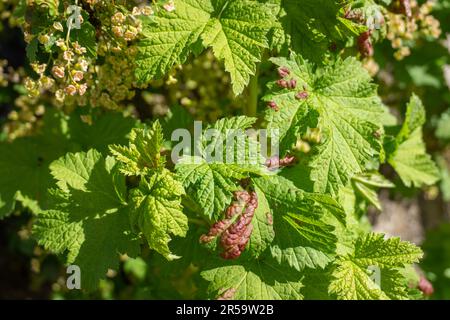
365, 45
425, 286
227, 295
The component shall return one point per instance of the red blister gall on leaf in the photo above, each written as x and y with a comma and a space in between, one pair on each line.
283, 83
275, 162
425, 286
302, 95
227, 295
272, 105
292, 84
283, 72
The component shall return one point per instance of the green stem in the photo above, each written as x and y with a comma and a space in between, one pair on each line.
251, 108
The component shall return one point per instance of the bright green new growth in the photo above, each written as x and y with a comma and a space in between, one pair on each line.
143, 155
92, 205
371, 271
156, 209
155, 205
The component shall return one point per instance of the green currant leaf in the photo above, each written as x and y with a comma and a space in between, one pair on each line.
235, 29
157, 211
91, 221
342, 102
253, 280
371, 270
410, 159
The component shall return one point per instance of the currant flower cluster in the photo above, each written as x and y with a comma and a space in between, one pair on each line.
119, 27
70, 69
76, 78
66, 72
412, 21
235, 230
72, 76
27, 112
